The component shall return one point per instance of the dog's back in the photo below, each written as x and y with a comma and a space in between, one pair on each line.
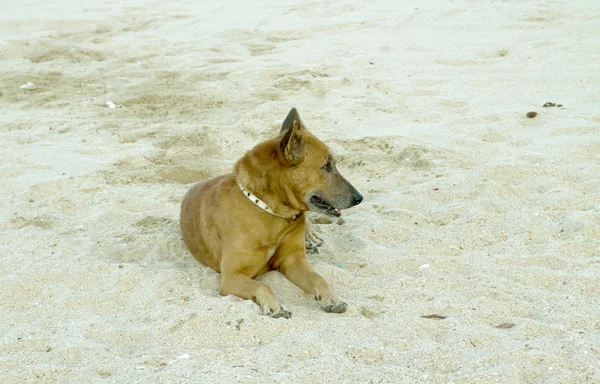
198, 207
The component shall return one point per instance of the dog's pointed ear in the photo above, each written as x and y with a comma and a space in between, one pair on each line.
291, 146
289, 120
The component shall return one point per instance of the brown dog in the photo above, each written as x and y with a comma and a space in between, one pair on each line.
251, 221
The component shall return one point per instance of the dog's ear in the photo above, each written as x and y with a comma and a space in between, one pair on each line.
289, 120
291, 146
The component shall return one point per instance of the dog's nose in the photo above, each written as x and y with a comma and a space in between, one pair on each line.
357, 198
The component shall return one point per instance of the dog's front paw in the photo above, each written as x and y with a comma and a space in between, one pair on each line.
311, 248
312, 237
281, 312
339, 307
332, 304
269, 305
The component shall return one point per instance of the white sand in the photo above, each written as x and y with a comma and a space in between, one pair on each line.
97, 286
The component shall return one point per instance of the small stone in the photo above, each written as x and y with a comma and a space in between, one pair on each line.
340, 221
105, 373
531, 115
549, 104
321, 219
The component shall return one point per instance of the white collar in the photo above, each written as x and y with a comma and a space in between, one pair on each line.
261, 204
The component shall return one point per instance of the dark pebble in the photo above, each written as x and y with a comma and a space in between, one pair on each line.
531, 115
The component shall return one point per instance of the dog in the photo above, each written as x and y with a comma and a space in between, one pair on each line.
251, 221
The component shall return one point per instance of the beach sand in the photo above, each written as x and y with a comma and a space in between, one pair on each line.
472, 211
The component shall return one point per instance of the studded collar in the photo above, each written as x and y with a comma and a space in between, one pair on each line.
261, 204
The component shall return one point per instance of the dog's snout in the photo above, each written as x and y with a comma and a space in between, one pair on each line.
357, 198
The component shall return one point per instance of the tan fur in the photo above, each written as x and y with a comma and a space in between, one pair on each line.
224, 230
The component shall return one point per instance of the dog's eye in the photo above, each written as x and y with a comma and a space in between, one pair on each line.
327, 167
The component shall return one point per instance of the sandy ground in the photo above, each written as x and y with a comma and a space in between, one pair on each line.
472, 211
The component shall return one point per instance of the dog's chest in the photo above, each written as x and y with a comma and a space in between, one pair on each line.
271, 252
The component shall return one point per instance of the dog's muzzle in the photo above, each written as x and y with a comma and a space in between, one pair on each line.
324, 206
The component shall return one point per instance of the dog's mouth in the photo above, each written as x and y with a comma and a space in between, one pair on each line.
324, 206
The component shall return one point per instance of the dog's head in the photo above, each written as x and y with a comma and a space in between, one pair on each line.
308, 171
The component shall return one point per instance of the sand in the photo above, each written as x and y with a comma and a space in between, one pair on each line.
472, 211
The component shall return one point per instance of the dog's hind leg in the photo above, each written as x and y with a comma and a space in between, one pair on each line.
243, 286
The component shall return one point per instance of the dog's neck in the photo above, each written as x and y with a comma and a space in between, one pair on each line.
252, 174
262, 205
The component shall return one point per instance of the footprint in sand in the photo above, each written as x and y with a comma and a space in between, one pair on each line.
415, 157
71, 54
44, 222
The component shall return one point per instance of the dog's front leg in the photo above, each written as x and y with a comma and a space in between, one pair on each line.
243, 286
299, 271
